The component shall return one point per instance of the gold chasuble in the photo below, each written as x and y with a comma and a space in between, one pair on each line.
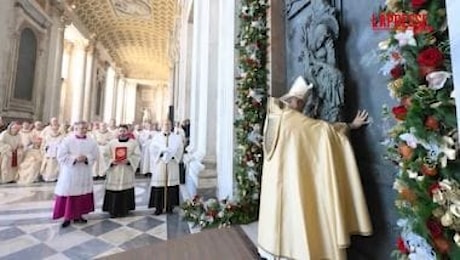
311, 197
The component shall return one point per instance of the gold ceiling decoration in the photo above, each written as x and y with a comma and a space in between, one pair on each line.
136, 33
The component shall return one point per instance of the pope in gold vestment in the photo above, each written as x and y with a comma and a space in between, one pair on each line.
311, 197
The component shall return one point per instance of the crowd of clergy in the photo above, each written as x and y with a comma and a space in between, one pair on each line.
115, 153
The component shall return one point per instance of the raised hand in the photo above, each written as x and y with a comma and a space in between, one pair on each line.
360, 119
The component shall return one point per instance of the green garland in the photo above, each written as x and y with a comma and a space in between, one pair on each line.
422, 142
251, 96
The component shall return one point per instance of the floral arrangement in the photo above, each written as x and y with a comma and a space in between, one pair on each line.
422, 143
210, 213
251, 96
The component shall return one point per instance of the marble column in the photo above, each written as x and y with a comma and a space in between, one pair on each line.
55, 59
192, 159
78, 71
453, 20
276, 49
225, 99
184, 63
90, 62
108, 99
116, 101
201, 161
120, 95
130, 102
117, 80
66, 92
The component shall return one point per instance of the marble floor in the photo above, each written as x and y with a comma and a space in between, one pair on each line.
28, 232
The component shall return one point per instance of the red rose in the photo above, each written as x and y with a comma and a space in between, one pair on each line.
397, 72
430, 57
434, 227
399, 112
432, 123
433, 187
401, 246
421, 28
406, 101
418, 3
442, 245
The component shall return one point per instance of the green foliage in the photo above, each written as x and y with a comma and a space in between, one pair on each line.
429, 169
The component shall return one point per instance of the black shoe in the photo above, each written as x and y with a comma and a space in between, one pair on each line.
157, 212
65, 224
80, 220
148, 175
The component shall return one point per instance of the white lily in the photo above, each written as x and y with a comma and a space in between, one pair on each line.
406, 38
455, 209
448, 150
383, 45
410, 139
412, 174
447, 219
437, 79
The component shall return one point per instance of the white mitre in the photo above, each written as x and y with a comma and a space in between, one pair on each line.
299, 90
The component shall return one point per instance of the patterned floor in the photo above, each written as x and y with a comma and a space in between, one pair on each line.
27, 231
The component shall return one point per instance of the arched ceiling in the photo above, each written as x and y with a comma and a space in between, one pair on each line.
136, 33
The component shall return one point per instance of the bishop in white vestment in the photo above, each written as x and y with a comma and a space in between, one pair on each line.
311, 198
102, 136
124, 155
74, 189
29, 169
14, 156
50, 168
165, 152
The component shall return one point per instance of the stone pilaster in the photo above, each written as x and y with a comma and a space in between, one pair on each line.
78, 71
55, 59
65, 105
109, 95
90, 62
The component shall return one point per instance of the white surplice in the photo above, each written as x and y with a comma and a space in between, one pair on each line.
101, 164
76, 178
165, 153
121, 177
145, 137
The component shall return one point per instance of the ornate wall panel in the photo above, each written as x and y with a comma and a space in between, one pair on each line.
22, 96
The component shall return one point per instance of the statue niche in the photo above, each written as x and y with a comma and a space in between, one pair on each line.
313, 30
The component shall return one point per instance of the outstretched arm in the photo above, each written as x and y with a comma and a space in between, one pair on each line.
361, 119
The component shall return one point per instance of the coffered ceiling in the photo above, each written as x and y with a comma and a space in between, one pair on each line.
136, 33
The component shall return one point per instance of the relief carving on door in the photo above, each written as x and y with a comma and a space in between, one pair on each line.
312, 31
